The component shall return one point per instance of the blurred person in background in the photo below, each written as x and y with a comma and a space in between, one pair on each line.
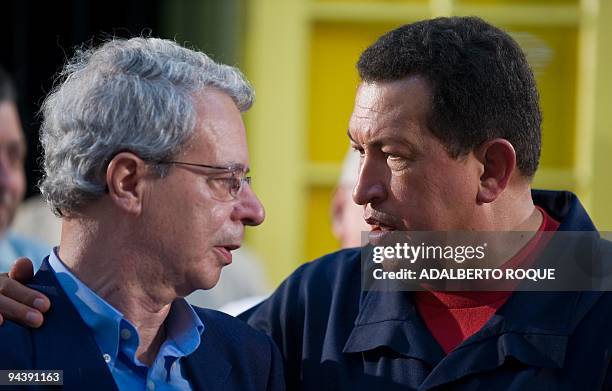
13, 181
347, 217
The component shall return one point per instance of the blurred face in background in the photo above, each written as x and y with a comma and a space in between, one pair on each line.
12, 155
347, 217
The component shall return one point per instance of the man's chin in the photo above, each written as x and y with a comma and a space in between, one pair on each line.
208, 280
378, 237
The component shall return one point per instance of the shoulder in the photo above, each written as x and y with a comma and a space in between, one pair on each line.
232, 332
17, 340
310, 295
334, 275
254, 357
329, 270
605, 247
319, 298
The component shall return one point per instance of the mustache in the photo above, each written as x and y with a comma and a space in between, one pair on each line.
232, 239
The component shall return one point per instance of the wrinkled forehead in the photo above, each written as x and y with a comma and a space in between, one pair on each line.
382, 97
220, 135
380, 106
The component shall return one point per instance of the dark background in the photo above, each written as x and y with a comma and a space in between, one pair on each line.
37, 36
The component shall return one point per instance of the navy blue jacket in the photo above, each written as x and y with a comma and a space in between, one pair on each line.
334, 336
232, 356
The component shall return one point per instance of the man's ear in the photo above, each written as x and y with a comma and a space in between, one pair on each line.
125, 179
498, 159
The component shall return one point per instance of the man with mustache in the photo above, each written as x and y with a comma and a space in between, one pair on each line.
12, 179
447, 122
146, 162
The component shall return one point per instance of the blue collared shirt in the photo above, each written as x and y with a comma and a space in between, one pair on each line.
118, 339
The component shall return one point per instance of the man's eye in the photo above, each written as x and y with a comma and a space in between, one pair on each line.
223, 180
396, 162
358, 150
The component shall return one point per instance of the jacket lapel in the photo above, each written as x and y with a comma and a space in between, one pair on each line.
207, 367
64, 341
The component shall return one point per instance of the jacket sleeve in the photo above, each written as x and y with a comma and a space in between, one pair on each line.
276, 379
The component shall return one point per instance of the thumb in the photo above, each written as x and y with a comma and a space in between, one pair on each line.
22, 270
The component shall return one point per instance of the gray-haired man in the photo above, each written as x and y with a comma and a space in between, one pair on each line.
146, 161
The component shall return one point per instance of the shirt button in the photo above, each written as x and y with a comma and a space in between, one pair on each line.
107, 357
150, 385
125, 334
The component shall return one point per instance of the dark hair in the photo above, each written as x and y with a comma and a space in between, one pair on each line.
481, 84
7, 90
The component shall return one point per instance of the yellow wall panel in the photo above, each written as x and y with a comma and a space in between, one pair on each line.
516, 2
335, 49
374, 1
551, 52
319, 238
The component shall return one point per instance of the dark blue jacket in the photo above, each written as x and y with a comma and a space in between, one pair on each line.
231, 356
334, 336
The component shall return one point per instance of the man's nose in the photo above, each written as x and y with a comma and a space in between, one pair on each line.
249, 209
370, 187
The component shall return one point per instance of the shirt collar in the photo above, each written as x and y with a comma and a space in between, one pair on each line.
564, 207
101, 317
183, 326
184, 329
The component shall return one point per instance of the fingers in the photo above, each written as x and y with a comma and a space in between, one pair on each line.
22, 270
21, 304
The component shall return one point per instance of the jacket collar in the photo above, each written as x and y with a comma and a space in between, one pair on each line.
565, 207
69, 345
532, 327
390, 319
207, 369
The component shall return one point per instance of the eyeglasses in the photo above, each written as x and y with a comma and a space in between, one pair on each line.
223, 187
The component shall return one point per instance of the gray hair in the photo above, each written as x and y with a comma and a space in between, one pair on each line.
126, 95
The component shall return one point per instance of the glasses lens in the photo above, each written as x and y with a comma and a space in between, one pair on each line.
227, 188
238, 184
